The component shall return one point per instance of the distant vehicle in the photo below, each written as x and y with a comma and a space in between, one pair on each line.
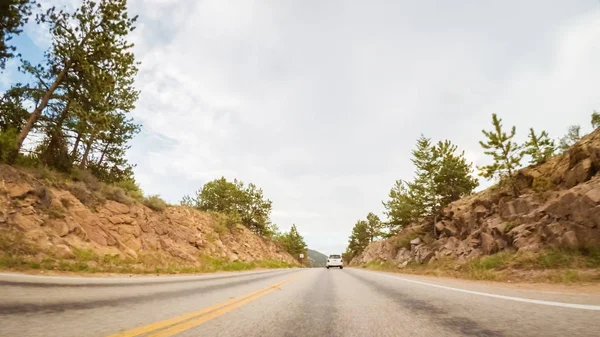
335, 261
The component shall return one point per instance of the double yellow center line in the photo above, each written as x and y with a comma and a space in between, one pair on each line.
184, 322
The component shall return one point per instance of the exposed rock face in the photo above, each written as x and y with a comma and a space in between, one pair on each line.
56, 222
559, 206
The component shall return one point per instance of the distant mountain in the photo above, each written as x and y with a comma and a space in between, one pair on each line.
316, 259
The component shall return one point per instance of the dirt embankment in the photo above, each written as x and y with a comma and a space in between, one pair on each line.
557, 211
44, 225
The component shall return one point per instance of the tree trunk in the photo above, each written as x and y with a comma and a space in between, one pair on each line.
75, 146
54, 142
88, 148
103, 153
33, 117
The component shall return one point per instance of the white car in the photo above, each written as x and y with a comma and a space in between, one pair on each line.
335, 261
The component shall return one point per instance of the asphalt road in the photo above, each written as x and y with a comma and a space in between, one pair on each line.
291, 302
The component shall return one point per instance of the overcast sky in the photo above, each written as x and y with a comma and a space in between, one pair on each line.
320, 102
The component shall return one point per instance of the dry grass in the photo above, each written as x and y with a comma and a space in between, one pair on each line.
155, 202
22, 257
117, 194
557, 266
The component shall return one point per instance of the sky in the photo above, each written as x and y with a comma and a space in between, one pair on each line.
320, 102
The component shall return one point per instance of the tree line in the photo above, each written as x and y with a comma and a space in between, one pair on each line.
246, 205
74, 111
443, 175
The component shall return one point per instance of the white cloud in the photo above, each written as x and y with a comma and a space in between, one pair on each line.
320, 103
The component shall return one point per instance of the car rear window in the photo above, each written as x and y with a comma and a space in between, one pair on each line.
334, 256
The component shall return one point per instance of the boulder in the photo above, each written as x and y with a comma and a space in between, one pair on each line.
488, 244
415, 242
450, 229
116, 207
582, 172
594, 194
403, 264
402, 255
569, 240
18, 190
440, 226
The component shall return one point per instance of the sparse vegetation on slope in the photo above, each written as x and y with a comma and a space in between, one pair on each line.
543, 218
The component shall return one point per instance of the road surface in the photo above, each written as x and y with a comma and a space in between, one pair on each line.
290, 302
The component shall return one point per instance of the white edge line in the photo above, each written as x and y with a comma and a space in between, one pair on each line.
510, 298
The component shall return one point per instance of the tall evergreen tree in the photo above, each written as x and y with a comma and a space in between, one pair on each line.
359, 239
540, 148
504, 151
399, 208
293, 242
374, 227
90, 46
453, 176
422, 188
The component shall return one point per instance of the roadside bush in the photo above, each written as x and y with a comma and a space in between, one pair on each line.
86, 177
154, 202
28, 160
542, 184
8, 142
66, 202
80, 191
56, 213
45, 196
132, 189
44, 173
224, 222
117, 194
404, 241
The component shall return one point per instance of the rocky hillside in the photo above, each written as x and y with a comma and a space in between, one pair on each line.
43, 221
558, 207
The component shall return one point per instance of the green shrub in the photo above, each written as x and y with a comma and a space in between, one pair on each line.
509, 226
404, 241
495, 261
224, 222
45, 196
155, 202
80, 191
132, 188
51, 177
542, 184
66, 202
28, 160
86, 177
117, 194
56, 213
85, 255
8, 143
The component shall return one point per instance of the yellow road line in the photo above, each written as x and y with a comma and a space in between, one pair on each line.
200, 316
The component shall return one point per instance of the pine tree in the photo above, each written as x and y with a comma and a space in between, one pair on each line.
422, 189
13, 15
374, 227
572, 137
359, 239
595, 120
399, 208
504, 151
293, 242
88, 48
540, 148
453, 176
